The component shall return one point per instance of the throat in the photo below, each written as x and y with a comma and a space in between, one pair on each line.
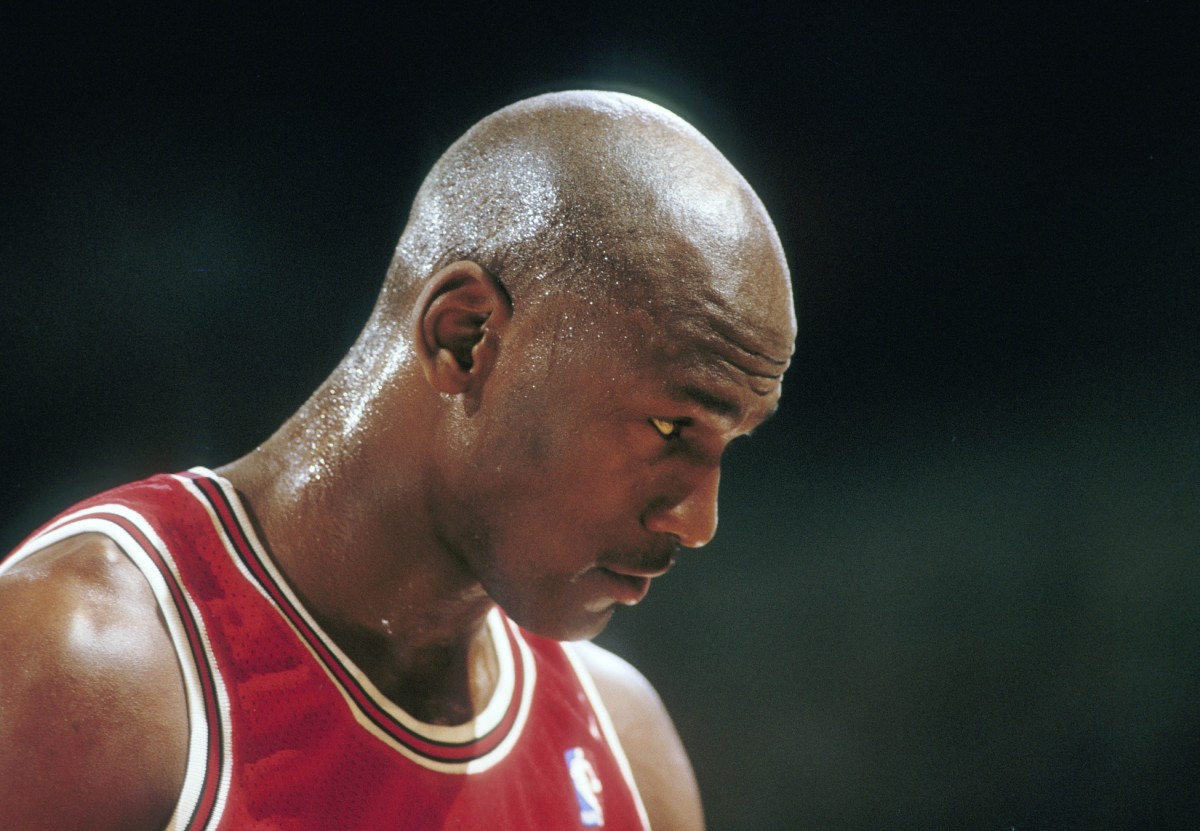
442, 684
416, 627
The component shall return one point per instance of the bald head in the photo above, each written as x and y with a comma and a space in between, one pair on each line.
587, 305
599, 194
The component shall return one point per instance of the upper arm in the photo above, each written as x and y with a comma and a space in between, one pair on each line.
93, 720
656, 755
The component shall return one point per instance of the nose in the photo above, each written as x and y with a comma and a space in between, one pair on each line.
692, 517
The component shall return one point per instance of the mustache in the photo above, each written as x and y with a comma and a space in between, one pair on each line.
657, 556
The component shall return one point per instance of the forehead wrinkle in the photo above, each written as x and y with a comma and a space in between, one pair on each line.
730, 326
712, 333
707, 382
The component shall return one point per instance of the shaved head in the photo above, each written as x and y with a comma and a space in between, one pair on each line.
587, 305
599, 194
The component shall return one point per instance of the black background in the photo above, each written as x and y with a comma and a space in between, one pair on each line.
956, 585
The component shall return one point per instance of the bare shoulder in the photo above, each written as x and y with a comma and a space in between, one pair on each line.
656, 755
93, 719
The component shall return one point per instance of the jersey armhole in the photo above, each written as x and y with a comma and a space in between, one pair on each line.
206, 777
606, 727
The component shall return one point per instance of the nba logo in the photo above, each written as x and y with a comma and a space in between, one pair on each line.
587, 787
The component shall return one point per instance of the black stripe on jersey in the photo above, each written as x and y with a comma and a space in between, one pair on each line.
227, 514
204, 808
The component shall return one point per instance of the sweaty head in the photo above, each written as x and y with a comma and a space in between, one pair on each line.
606, 197
603, 304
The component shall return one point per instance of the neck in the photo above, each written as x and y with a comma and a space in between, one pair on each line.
357, 547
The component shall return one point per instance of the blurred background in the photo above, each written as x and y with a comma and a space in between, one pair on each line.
956, 585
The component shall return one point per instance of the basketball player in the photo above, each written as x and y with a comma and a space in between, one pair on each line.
360, 624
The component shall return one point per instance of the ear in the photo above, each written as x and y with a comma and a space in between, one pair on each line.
458, 320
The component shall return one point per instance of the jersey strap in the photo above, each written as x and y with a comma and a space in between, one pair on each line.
206, 781
471, 747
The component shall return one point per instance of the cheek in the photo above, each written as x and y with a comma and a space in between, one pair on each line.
568, 488
535, 447
559, 466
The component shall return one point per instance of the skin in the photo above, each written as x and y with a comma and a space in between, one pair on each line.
545, 441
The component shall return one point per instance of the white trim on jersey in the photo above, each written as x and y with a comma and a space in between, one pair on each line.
90, 521
491, 716
607, 728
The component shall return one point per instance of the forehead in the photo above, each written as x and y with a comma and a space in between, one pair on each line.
720, 361
710, 359
679, 308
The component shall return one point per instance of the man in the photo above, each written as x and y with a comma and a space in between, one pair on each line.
356, 625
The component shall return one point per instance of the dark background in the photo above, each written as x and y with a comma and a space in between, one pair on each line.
956, 585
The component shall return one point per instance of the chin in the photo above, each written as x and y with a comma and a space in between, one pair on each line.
580, 626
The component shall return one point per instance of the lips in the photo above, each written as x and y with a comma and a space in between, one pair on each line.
626, 589
649, 564
629, 579
646, 571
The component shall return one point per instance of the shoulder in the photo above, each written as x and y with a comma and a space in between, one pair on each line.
93, 719
656, 754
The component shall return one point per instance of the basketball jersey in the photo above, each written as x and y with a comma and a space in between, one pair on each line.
288, 734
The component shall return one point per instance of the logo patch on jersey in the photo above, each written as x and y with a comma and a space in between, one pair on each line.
587, 787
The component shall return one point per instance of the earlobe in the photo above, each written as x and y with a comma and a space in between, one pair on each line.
458, 319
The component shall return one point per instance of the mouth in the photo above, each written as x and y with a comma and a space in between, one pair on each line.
641, 570
628, 573
628, 589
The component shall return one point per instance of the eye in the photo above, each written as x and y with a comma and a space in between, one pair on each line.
666, 428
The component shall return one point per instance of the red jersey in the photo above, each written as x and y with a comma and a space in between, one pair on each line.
287, 734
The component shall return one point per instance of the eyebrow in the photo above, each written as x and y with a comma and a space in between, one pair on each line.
717, 404
713, 403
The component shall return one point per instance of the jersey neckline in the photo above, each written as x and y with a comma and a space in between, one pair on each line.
470, 747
